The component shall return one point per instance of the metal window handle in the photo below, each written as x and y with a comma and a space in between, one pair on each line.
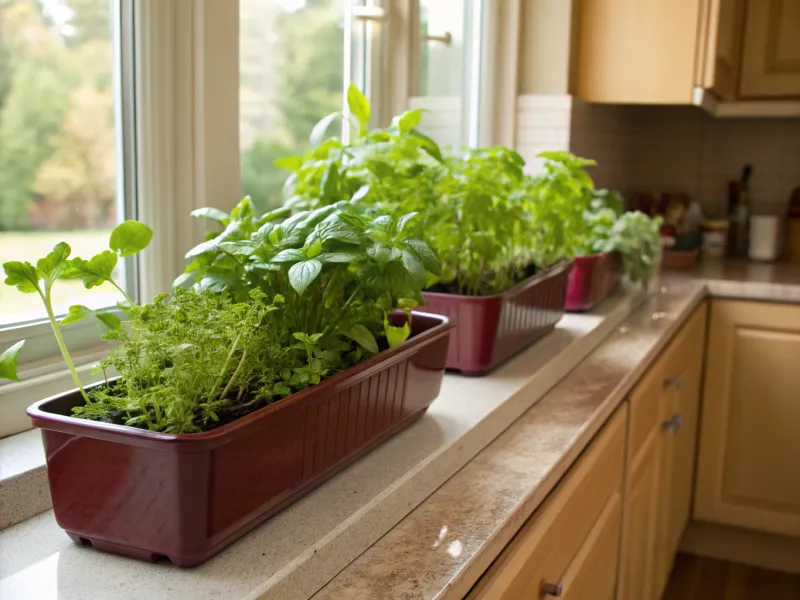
552, 589
674, 381
446, 38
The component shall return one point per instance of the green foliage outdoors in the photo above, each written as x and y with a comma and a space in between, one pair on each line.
56, 117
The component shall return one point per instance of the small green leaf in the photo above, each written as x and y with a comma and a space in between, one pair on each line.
342, 256
363, 337
290, 163
184, 280
321, 129
426, 255
302, 274
358, 105
414, 266
8, 362
396, 335
110, 320
404, 220
330, 181
50, 266
244, 210
96, 271
409, 120
77, 312
360, 193
288, 255
214, 214
21, 275
130, 237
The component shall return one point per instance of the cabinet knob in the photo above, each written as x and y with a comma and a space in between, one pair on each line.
673, 424
674, 381
552, 589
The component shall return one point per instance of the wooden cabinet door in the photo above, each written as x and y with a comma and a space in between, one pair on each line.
641, 520
681, 431
725, 27
749, 460
771, 56
592, 575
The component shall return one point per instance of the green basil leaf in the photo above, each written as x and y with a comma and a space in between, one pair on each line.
414, 266
321, 129
290, 163
404, 220
363, 337
130, 237
244, 211
303, 274
342, 256
358, 105
426, 255
213, 214
185, 280
8, 362
409, 120
21, 275
288, 255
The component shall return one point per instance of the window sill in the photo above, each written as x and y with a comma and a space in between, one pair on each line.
24, 492
39, 380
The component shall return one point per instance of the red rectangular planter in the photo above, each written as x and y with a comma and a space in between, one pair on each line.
592, 279
185, 497
491, 329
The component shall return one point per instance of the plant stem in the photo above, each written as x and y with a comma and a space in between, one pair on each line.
225, 367
61, 344
127, 298
235, 373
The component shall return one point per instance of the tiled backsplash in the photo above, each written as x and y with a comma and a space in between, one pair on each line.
670, 148
543, 123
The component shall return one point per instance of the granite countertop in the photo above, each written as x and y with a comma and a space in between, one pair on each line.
441, 549
423, 515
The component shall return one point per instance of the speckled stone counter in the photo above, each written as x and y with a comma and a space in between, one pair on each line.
426, 513
442, 548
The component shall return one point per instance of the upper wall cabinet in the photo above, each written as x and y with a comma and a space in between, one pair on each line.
663, 51
771, 59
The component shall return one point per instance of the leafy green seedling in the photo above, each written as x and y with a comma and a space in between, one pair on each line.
127, 239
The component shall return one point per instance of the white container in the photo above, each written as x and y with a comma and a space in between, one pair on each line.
765, 237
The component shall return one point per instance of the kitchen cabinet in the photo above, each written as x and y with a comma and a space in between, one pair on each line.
722, 21
749, 454
664, 51
771, 58
661, 442
569, 548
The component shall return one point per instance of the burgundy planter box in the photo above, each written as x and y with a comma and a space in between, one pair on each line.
185, 497
592, 279
491, 329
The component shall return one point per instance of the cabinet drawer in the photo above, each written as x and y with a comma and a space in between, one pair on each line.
548, 548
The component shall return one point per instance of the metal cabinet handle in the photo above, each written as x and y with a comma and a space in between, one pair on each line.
674, 381
552, 589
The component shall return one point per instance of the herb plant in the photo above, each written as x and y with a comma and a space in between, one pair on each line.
573, 216
127, 239
473, 206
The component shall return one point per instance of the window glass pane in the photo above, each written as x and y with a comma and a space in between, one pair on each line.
292, 69
57, 141
442, 38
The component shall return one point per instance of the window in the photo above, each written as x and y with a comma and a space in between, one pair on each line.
291, 55
63, 139
58, 159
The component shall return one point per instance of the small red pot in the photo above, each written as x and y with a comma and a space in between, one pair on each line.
491, 329
185, 497
592, 279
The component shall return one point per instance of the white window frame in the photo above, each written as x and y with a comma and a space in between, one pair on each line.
180, 140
